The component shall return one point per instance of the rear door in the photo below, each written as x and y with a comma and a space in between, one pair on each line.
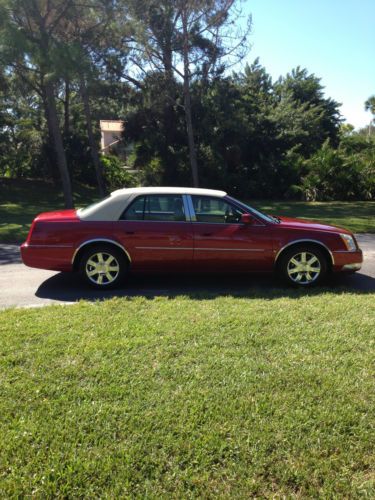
157, 232
222, 243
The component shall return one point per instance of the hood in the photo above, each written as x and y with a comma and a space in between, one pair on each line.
308, 224
58, 216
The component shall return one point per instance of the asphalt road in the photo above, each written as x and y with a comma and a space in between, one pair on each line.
21, 286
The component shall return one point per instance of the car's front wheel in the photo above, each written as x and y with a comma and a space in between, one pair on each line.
103, 266
303, 266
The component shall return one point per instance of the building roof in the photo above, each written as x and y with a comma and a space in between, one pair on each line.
111, 125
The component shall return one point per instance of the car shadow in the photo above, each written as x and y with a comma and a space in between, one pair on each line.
68, 287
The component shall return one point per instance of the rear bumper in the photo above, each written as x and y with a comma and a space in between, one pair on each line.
345, 261
51, 257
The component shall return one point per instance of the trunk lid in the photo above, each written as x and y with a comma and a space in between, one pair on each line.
57, 216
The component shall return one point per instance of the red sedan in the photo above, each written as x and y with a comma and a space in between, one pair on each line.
182, 230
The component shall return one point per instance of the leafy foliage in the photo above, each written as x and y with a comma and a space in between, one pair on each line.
122, 60
116, 176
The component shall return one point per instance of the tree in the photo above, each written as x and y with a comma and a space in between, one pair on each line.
22, 129
187, 39
370, 106
319, 117
237, 143
29, 46
83, 32
163, 68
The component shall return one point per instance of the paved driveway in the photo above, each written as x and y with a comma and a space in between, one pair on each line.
24, 286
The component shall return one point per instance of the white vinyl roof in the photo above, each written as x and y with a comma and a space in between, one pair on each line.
168, 190
112, 207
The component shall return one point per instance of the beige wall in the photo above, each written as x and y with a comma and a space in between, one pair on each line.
111, 131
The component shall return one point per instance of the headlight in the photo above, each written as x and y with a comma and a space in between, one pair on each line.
349, 242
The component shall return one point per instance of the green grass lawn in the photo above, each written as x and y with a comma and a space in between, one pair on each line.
267, 394
22, 200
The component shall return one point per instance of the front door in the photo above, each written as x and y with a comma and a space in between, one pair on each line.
222, 243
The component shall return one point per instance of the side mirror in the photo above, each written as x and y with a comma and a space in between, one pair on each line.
247, 219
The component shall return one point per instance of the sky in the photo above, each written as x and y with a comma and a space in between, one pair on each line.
334, 39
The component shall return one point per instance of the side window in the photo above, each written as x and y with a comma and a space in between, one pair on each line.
135, 211
164, 208
215, 210
161, 208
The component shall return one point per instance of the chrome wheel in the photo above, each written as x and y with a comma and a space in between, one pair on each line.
304, 268
102, 268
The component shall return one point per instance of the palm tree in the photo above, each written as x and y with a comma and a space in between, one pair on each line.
370, 106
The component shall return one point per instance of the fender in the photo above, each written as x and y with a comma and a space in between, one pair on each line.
100, 240
305, 241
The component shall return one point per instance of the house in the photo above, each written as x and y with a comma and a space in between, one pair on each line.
111, 137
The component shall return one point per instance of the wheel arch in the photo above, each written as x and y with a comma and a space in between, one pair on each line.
327, 252
90, 243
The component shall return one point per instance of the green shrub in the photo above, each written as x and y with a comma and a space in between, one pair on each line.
333, 174
152, 173
115, 174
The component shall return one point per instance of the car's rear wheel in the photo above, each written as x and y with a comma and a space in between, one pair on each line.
103, 266
303, 266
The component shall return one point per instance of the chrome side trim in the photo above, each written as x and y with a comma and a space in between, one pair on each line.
348, 251
100, 240
49, 246
164, 248
239, 224
232, 249
305, 241
204, 249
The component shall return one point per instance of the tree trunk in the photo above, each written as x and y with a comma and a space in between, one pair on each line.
55, 134
90, 135
187, 103
67, 109
169, 118
49, 151
190, 134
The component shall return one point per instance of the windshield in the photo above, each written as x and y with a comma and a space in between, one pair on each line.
251, 210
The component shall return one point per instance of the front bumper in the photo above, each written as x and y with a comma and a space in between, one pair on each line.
346, 261
352, 267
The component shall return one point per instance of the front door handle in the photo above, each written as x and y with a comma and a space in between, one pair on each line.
207, 234
129, 232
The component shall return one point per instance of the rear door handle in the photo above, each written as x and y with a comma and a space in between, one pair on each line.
129, 232
207, 234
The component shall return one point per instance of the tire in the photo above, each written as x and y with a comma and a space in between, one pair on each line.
103, 266
303, 266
